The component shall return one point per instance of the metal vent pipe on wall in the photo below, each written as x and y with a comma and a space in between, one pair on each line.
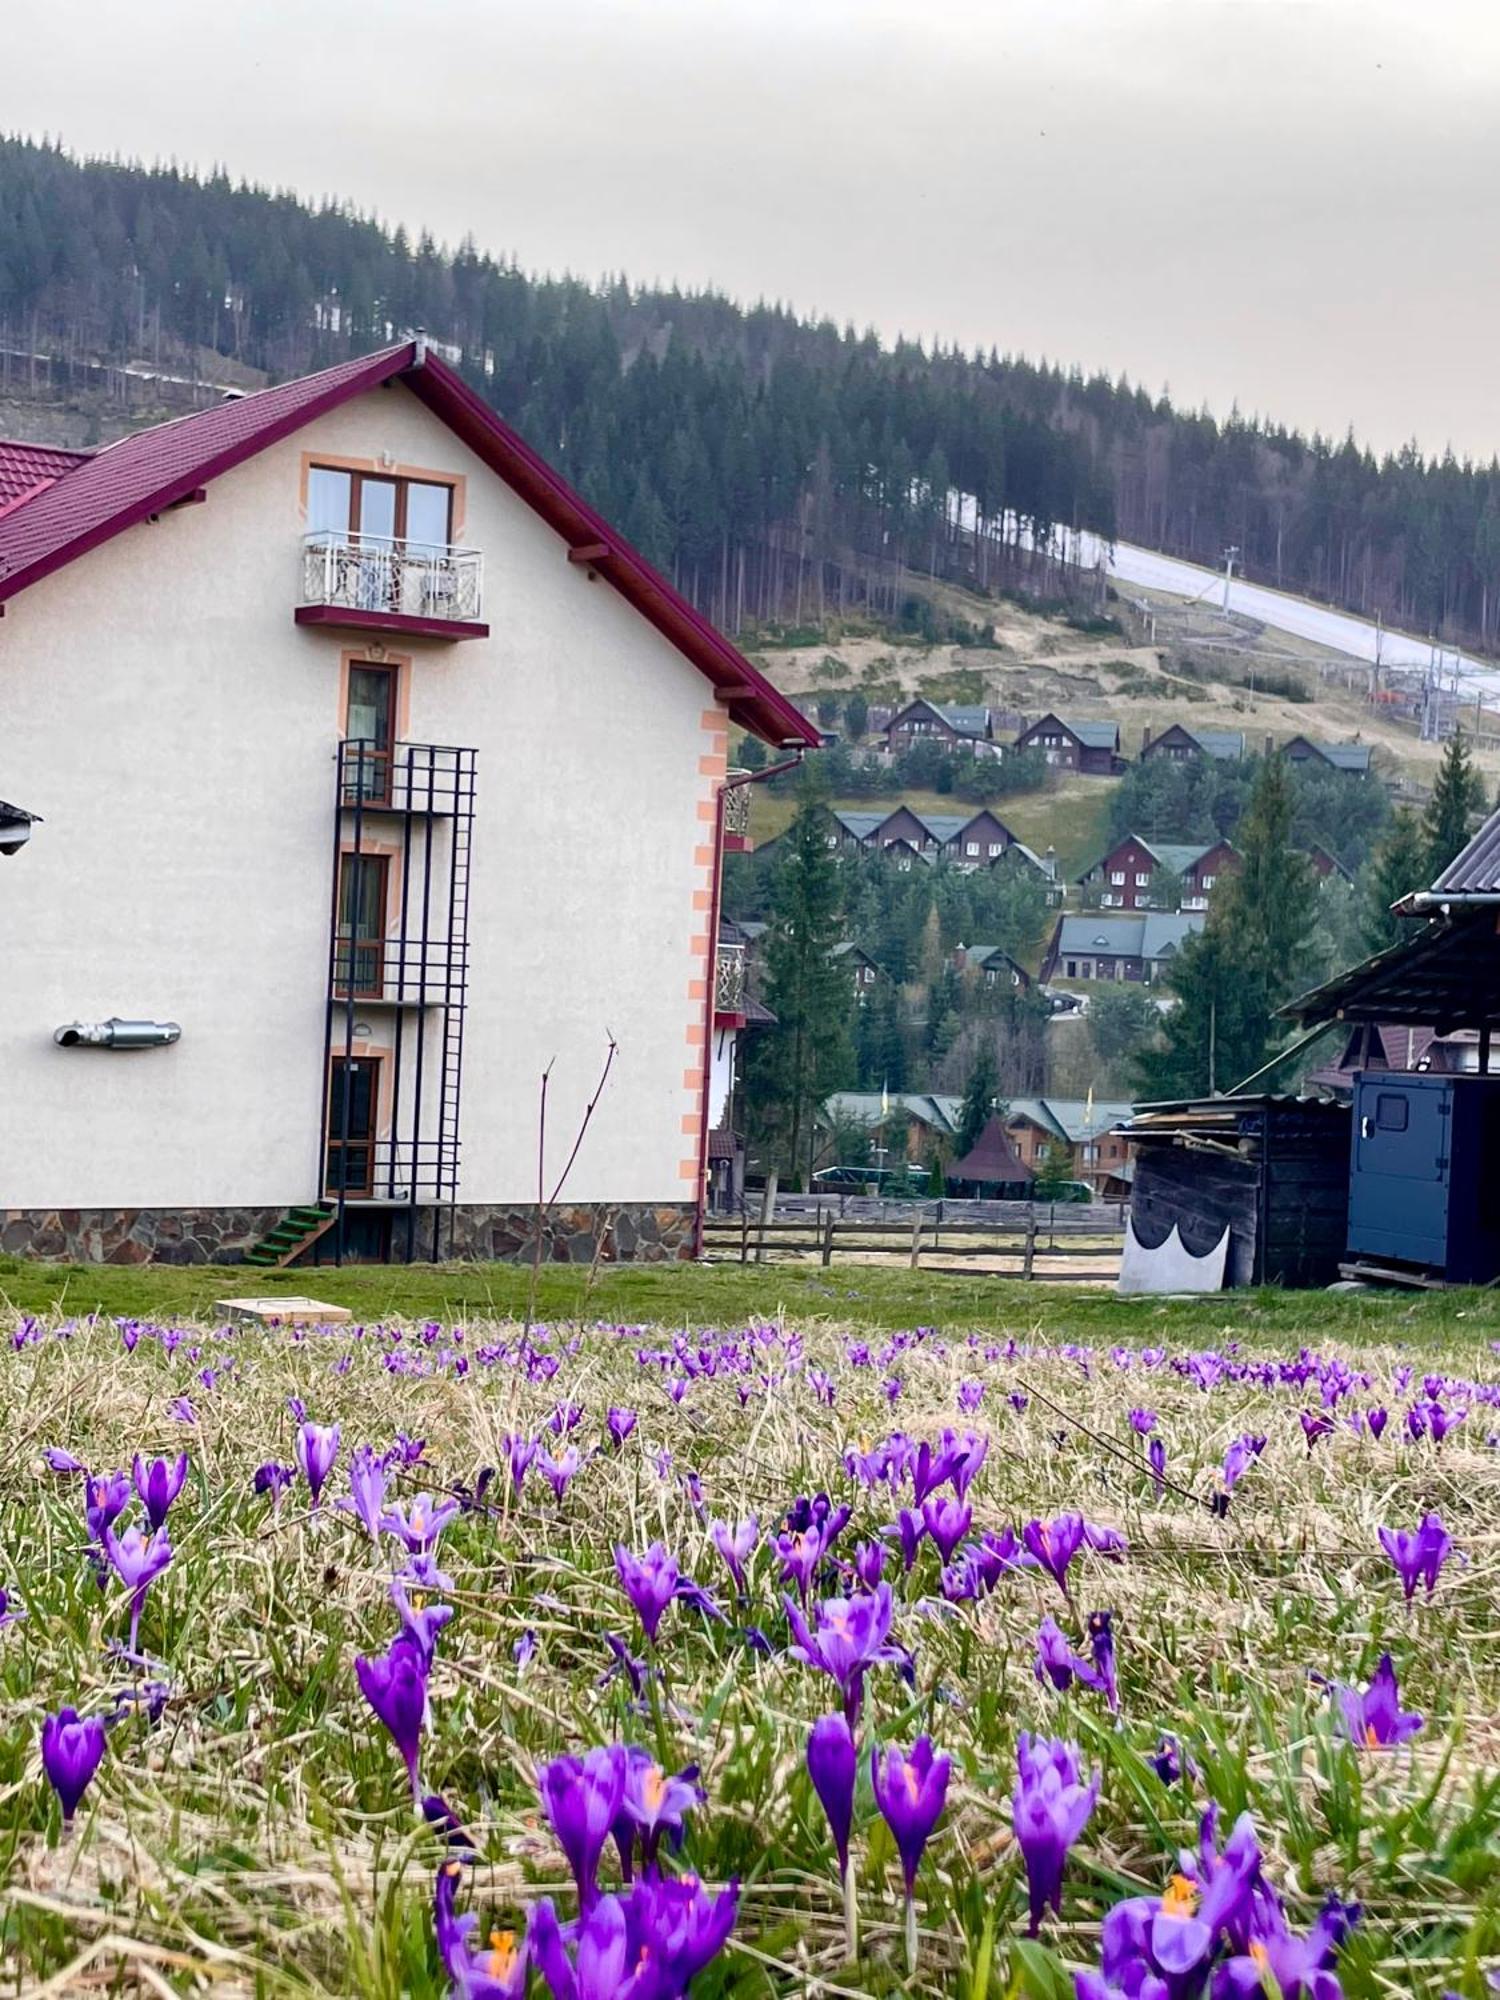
116, 1034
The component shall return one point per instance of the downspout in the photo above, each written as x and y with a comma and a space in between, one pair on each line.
700, 1209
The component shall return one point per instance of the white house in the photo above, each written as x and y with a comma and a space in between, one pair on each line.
322, 694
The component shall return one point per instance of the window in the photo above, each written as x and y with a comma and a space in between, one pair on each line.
370, 721
996, 847
1143, 881
360, 949
972, 847
1207, 883
379, 506
1118, 878
1390, 1112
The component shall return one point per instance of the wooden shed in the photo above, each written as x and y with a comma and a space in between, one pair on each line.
1274, 1170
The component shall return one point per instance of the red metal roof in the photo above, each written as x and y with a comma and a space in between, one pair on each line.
143, 474
992, 1158
24, 467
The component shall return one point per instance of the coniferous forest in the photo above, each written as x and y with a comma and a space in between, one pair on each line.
775, 467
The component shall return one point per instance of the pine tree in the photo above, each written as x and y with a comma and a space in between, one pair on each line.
795, 1063
1250, 957
979, 1098
1456, 803
1054, 1171
1399, 867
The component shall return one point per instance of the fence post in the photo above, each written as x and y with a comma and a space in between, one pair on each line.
767, 1215
1028, 1255
827, 1238
916, 1242
744, 1230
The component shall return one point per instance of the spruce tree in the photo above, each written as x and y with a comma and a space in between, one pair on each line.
1400, 865
795, 1063
979, 1098
1250, 957
1456, 803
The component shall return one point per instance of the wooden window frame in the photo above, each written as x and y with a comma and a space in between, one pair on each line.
402, 481
347, 949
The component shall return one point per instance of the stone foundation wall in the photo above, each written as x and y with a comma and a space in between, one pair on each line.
633, 1233
135, 1235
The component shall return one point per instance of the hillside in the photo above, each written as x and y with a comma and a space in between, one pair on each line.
776, 467
1039, 662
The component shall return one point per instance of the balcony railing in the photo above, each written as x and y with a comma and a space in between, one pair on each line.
390, 1170
401, 971
736, 815
406, 778
729, 980
375, 574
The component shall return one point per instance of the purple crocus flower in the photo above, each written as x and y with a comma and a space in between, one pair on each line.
1054, 1545
519, 1452
369, 1475
582, 1797
1049, 1809
10, 1609
158, 1484
72, 1746
645, 1945
1102, 1645
1315, 1425
63, 1461
1418, 1554
736, 1545
911, 1789
561, 1471
419, 1525
649, 1581
1377, 1419
1156, 1454
869, 1563
833, 1764
273, 1479
653, 1804
422, 1573
947, 1521
1237, 1461
395, 1686
620, 1424
1055, 1659
1375, 1719
853, 1635
105, 1498
1299, 1966
420, 1626
316, 1449
498, 1972
1143, 1422
907, 1529
137, 1561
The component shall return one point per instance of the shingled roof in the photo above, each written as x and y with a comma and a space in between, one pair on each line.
99, 496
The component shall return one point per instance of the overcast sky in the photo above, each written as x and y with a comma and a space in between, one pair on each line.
1291, 204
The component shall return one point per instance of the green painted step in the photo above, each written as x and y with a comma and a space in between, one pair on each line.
293, 1230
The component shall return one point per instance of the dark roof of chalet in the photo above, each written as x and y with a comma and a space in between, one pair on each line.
1175, 856
964, 719
1445, 976
137, 477
847, 948
1093, 735
1342, 756
1225, 743
1476, 871
941, 827
991, 1158
1148, 934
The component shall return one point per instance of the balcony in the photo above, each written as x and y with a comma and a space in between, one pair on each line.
737, 816
729, 987
375, 583
434, 780
398, 971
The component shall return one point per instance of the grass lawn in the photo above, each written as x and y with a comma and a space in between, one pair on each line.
250, 1829
703, 1295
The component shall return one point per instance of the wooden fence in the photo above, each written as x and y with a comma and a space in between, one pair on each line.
953, 1245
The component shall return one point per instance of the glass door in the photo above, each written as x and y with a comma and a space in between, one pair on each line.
370, 730
353, 1096
359, 954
